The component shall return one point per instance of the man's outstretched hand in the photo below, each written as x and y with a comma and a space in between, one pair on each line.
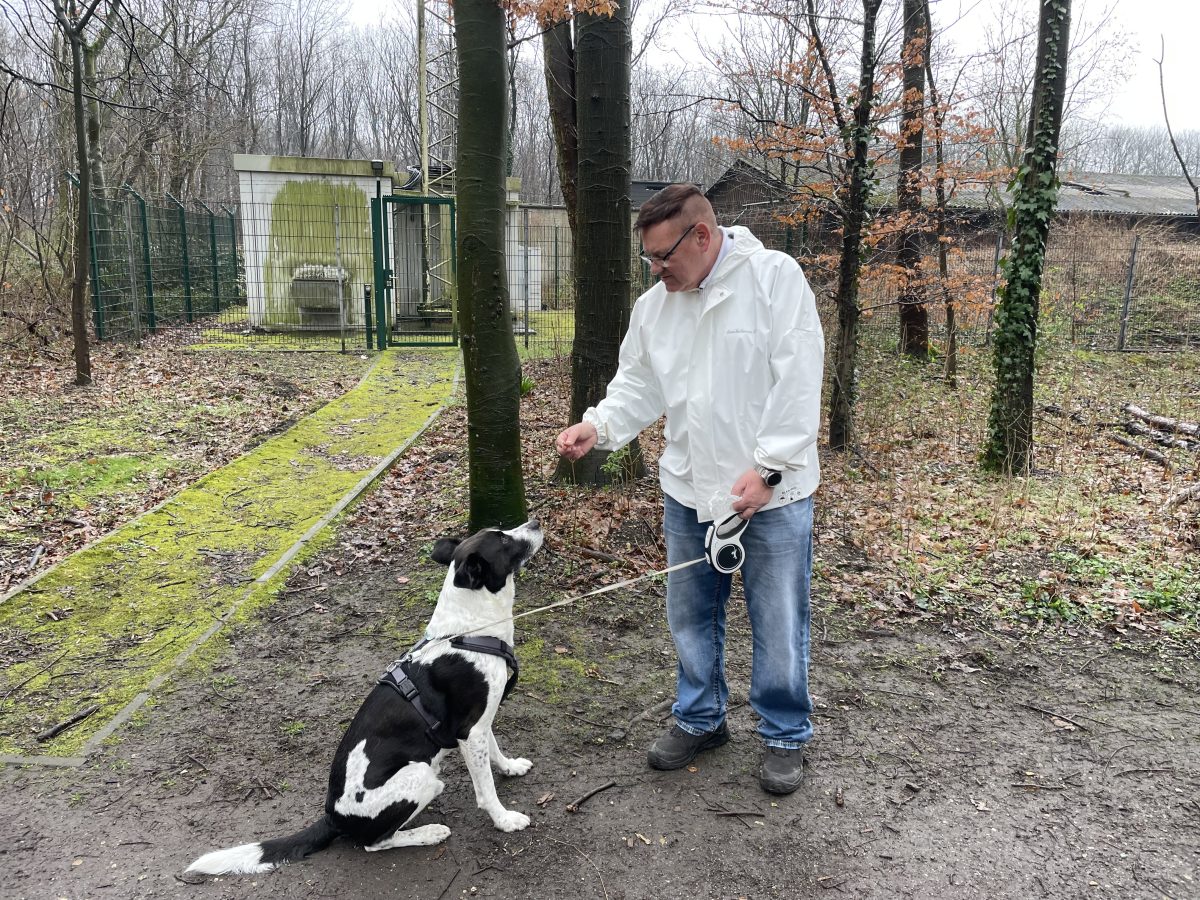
574, 442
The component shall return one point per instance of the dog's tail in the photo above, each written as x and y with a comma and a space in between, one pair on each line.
252, 859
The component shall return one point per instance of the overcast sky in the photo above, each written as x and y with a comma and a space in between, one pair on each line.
1137, 100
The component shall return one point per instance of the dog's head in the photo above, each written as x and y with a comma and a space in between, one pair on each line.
489, 557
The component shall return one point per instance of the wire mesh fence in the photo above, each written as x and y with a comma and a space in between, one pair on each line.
159, 263
322, 271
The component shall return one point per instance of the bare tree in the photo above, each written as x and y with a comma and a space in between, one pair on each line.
1162, 88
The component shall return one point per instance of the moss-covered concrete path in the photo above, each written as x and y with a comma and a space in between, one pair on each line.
109, 625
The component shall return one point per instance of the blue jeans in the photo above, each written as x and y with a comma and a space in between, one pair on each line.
775, 576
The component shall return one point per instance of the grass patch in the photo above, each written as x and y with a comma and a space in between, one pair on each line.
909, 524
118, 614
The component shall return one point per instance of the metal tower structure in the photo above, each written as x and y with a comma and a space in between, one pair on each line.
437, 88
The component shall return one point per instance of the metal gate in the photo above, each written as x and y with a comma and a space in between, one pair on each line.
416, 289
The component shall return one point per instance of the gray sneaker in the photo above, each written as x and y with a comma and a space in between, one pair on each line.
782, 770
676, 748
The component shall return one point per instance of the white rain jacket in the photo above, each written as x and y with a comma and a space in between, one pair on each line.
736, 366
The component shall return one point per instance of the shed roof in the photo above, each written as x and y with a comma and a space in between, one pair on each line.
1081, 192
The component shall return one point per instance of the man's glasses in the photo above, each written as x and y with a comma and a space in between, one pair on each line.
651, 260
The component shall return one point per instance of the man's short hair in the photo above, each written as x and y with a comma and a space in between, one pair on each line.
666, 204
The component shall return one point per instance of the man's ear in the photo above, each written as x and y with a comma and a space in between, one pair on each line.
443, 550
470, 573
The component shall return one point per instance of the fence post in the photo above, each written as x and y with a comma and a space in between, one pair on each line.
987, 330
147, 269
233, 259
377, 243
187, 266
528, 286
1128, 293
367, 316
93, 261
212, 248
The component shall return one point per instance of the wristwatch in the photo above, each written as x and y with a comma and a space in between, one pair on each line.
770, 477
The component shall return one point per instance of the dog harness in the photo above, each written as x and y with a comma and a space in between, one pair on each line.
396, 677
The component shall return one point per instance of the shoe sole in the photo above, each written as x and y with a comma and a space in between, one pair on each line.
717, 740
779, 788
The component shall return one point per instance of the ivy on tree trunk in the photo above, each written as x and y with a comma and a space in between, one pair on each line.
1009, 445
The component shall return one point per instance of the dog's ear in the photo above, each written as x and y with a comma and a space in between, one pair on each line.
471, 573
443, 550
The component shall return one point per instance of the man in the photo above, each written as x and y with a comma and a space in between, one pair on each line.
728, 345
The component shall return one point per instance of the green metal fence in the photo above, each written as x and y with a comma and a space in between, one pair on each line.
327, 267
159, 263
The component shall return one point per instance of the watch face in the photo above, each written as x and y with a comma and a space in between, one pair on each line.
769, 476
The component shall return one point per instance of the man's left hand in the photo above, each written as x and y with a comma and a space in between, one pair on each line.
752, 493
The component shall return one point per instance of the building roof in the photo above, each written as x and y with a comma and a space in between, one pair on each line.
640, 191
1081, 192
1146, 195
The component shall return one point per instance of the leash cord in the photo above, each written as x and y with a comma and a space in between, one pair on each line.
568, 601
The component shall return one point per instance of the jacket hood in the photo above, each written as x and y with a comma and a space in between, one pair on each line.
743, 245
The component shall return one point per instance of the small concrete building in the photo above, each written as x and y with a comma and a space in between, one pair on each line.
306, 233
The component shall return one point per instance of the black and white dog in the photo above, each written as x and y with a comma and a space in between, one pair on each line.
386, 768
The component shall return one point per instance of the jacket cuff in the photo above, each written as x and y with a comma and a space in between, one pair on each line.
592, 418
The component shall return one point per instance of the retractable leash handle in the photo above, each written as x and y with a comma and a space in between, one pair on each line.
723, 544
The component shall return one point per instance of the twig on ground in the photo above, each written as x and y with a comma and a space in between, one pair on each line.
41, 671
574, 807
1133, 771
1049, 712
197, 762
562, 712
69, 723
899, 694
594, 554
600, 874
449, 884
309, 609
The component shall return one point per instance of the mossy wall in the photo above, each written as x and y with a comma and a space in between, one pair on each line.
303, 233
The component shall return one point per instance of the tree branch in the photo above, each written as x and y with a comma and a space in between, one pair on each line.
1162, 89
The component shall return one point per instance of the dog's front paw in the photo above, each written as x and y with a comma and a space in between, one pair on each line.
511, 820
517, 766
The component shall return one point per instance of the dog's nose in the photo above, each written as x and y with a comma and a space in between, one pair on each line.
534, 524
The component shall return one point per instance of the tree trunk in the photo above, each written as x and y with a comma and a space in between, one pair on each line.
79, 317
602, 250
940, 205
1009, 445
492, 367
914, 317
558, 52
844, 387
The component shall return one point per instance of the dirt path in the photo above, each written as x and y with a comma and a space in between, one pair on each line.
945, 765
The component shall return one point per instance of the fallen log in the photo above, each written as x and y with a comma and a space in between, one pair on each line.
1160, 437
1144, 452
1189, 428
1192, 493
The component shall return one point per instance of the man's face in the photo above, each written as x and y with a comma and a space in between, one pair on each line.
684, 268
